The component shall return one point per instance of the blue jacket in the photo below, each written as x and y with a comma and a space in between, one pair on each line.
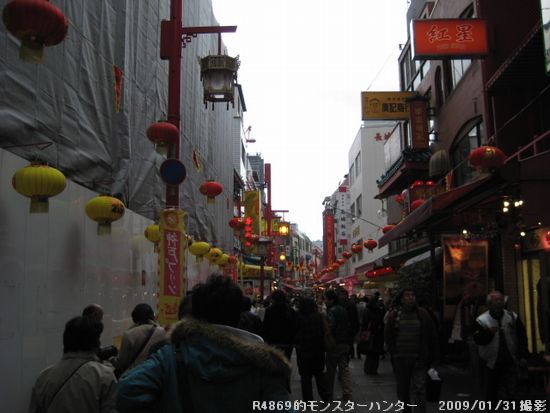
227, 370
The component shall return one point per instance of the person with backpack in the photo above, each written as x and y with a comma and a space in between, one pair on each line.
209, 365
80, 382
412, 342
502, 344
138, 339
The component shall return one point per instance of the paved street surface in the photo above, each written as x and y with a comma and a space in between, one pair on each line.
459, 385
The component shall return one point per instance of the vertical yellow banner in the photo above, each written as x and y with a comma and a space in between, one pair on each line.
171, 265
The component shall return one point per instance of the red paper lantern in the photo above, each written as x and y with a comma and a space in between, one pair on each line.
415, 204
417, 183
399, 199
387, 228
547, 236
211, 189
37, 23
232, 259
347, 254
163, 134
430, 183
486, 157
370, 244
341, 261
236, 223
356, 248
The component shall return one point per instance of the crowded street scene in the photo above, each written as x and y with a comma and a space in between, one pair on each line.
259, 206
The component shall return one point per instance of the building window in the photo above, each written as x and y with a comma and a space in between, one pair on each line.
351, 176
472, 137
358, 164
352, 211
359, 202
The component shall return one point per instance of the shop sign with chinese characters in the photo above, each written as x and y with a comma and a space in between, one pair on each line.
171, 265
385, 105
453, 38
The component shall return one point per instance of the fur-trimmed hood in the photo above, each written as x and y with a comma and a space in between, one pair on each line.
221, 353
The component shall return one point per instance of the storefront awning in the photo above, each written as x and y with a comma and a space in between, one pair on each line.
253, 271
428, 209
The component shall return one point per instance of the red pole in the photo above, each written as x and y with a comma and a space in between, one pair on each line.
174, 85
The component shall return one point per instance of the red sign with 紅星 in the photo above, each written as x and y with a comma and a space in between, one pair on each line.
454, 38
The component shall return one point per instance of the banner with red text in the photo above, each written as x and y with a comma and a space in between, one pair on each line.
171, 265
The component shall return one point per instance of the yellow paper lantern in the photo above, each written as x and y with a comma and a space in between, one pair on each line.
222, 260
214, 254
152, 233
38, 181
199, 249
104, 209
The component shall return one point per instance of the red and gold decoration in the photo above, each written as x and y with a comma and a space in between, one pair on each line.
163, 134
171, 264
356, 248
104, 209
485, 158
38, 182
211, 189
236, 223
370, 244
199, 249
37, 23
347, 255
152, 234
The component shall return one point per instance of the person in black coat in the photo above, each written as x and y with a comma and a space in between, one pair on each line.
249, 321
279, 323
373, 322
310, 349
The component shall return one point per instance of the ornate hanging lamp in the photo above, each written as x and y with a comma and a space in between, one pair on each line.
219, 77
37, 23
104, 209
39, 182
485, 158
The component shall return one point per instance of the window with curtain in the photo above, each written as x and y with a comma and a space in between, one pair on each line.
472, 137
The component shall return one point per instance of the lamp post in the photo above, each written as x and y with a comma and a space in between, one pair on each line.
173, 37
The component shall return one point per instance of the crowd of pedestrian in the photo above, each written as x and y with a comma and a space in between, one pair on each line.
226, 353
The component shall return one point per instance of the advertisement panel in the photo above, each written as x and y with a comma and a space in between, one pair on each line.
171, 265
465, 272
328, 238
452, 38
419, 123
385, 105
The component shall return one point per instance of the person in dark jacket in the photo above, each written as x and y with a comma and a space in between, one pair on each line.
310, 349
249, 321
279, 323
353, 318
373, 322
411, 340
338, 355
210, 366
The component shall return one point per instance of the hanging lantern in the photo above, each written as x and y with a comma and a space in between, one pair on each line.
37, 23
219, 76
236, 223
370, 244
223, 260
214, 254
38, 182
152, 233
387, 228
399, 199
416, 183
341, 261
486, 157
211, 189
416, 203
356, 248
232, 259
163, 134
104, 209
199, 249
347, 254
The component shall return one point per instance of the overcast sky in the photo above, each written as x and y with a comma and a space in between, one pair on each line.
304, 64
